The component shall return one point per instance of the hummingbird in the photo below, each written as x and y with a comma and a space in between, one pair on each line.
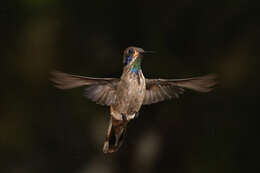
126, 95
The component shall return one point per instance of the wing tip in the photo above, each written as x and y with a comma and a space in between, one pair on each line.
56, 78
208, 82
63, 80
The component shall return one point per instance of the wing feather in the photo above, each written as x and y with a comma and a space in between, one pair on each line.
99, 90
162, 89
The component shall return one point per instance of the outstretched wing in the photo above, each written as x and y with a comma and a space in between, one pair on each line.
99, 90
162, 89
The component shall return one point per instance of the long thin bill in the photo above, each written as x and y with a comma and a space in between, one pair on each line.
149, 51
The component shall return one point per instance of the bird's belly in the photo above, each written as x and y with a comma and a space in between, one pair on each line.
135, 99
130, 97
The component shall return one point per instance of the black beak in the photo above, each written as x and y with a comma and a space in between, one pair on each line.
148, 52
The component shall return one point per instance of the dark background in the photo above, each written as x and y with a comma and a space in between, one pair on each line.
43, 129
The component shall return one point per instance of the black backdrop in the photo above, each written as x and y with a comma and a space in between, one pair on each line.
43, 129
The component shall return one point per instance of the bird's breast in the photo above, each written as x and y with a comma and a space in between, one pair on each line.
130, 93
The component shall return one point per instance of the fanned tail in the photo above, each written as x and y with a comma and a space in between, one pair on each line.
115, 135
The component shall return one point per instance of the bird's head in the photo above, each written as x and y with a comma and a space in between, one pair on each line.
133, 57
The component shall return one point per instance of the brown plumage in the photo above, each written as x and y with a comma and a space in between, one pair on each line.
126, 95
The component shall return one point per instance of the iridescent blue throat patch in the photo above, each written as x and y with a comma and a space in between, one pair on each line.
128, 59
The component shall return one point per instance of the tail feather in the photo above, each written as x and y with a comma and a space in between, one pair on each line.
115, 135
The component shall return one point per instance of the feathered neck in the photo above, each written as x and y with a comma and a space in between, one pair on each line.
136, 66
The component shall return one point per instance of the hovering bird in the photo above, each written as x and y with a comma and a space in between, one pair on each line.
126, 95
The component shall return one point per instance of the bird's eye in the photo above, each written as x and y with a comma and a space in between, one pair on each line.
130, 51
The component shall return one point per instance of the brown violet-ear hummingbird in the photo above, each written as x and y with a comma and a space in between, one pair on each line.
126, 95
